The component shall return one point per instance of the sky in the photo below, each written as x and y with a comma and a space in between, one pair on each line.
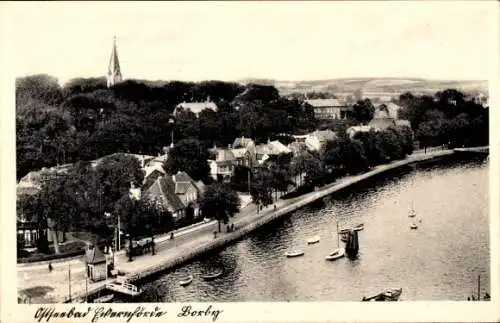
298, 40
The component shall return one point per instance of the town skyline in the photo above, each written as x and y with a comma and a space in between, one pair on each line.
382, 43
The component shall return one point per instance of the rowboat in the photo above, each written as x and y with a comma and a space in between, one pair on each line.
389, 295
358, 227
104, 299
212, 275
186, 281
313, 240
336, 254
413, 226
124, 288
296, 253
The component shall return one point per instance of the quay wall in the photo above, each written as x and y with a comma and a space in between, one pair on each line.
295, 204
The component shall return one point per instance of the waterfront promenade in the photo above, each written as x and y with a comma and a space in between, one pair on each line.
187, 244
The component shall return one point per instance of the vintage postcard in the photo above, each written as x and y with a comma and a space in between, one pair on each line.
332, 161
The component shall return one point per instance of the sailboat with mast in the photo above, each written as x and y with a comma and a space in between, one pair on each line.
339, 252
412, 212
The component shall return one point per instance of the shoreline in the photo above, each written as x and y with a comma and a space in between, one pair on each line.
246, 225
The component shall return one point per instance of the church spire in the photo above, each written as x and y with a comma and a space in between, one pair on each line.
114, 73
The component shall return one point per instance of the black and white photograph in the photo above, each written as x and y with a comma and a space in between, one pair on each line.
241, 152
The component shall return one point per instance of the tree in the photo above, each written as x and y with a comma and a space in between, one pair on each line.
188, 155
220, 201
372, 145
363, 111
128, 209
392, 144
115, 174
261, 187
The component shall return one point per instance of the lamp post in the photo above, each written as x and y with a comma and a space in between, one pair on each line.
171, 122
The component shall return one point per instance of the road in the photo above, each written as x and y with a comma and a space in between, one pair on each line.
54, 287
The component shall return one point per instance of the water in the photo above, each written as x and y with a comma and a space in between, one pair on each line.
441, 260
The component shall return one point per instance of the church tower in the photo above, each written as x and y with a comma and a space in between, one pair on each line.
114, 73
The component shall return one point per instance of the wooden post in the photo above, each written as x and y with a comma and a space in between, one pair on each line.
478, 287
86, 288
69, 281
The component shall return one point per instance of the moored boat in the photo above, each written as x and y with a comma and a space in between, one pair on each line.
413, 226
295, 253
345, 231
313, 240
186, 281
412, 213
212, 276
124, 288
389, 295
358, 227
336, 254
104, 299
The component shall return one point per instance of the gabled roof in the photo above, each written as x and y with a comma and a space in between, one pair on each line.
150, 169
197, 107
275, 147
181, 188
164, 188
324, 103
151, 178
262, 149
401, 122
182, 177
389, 111
242, 142
382, 123
200, 187
94, 256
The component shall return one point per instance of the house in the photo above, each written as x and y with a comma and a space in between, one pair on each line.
28, 233
178, 193
242, 142
318, 138
386, 110
249, 144
298, 147
262, 153
242, 157
98, 266
223, 163
402, 123
32, 182
329, 109
270, 151
352, 131
196, 107
382, 123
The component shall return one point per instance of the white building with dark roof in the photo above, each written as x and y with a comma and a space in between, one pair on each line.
329, 109
196, 107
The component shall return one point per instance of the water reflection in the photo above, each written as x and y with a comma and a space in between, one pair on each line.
439, 261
